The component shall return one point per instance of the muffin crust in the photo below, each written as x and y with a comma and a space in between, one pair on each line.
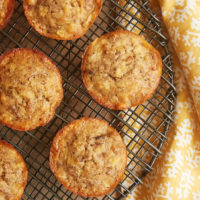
6, 10
62, 19
88, 157
30, 89
120, 69
13, 173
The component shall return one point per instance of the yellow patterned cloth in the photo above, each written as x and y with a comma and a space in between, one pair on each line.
176, 173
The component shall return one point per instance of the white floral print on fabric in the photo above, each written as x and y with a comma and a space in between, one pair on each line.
176, 173
182, 19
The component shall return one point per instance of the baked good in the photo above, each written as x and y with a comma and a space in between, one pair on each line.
13, 173
6, 10
30, 89
120, 69
62, 19
88, 157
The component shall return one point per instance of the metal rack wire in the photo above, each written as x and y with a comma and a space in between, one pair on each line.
34, 145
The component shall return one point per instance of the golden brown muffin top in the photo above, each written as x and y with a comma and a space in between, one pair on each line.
3, 9
121, 70
13, 173
62, 19
6, 9
88, 157
30, 89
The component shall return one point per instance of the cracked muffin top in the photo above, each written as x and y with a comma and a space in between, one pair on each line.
120, 69
6, 10
88, 157
30, 89
62, 19
13, 173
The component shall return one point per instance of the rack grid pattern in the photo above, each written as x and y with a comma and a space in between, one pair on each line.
145, 142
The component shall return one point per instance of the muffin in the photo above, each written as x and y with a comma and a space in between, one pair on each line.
62, 19
120, 69
88, 157
6, 10
13, 173
30, 89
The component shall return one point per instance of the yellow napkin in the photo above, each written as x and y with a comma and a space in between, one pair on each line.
176, 173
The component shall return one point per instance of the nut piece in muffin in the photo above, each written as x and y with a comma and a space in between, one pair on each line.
88, 157
13, 173
6, 10
120, 69
30, 89
62, 19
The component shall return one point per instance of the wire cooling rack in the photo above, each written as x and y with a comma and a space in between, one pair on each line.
146, 140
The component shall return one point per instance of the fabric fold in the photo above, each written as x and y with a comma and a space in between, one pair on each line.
176, 173
182, 20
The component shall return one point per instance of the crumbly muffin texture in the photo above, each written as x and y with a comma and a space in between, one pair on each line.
88, 157
3, 9
62, 19
121, 70
6, 8
13, 173
30, 89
